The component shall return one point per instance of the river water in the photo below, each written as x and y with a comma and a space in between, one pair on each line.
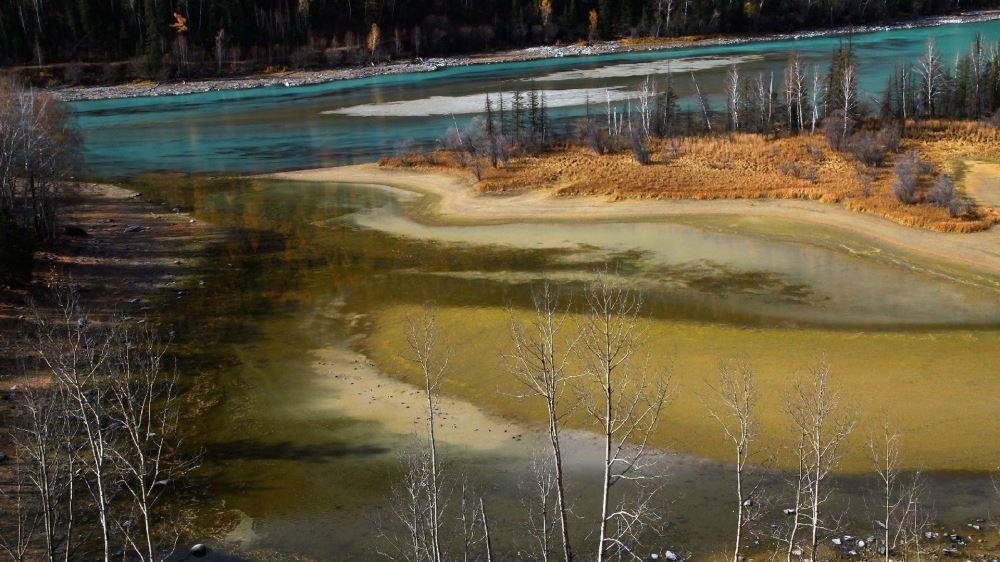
291, 332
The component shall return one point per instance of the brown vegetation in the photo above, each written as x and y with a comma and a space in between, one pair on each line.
751, 165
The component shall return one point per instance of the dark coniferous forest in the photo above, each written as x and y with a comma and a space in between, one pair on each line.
178, 38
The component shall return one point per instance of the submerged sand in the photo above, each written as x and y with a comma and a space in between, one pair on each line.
456, 200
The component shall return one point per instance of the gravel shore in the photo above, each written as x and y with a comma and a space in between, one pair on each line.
308, 77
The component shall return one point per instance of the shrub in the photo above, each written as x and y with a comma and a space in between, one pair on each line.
908, 169
833, 129
959, 206
866, 178
889, 138
592, 135
943, 191
866, 148
639, 148
17, 252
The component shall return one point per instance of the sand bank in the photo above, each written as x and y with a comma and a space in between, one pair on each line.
453, 199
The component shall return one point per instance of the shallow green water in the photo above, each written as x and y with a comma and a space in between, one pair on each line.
307, 461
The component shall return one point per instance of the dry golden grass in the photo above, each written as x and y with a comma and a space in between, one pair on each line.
744, 165
667, 41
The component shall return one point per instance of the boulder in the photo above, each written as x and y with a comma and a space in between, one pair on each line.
199, 550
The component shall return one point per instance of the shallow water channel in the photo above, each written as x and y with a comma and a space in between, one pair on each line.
291, 333
296, 335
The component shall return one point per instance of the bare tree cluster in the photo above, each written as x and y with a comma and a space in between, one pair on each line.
591, 366
97, 449
37, 150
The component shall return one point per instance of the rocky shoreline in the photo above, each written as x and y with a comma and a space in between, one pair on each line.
311, 77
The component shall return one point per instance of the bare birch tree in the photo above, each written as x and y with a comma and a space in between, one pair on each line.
901, 520
144, 405
703, 102
822, 423
76, 352
734, 93
45, 441
426, 354
539, 361
848, 99
410, 506
815, 94
732, 403
930, 69
626, 404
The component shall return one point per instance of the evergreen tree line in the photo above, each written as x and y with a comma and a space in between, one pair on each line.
166, 38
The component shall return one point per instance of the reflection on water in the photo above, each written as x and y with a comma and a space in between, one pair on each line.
303, 440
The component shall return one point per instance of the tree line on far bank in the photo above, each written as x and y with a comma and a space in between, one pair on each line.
181, 38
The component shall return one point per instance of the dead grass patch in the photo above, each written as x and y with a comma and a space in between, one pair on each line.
750, 166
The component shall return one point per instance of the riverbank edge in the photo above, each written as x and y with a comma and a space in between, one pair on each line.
449, 198
315, 77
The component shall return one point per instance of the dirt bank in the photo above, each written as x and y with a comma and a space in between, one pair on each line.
455, 200
124, 255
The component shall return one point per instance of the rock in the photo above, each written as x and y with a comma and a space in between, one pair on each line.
837, 541
796, 551
199, 550
133, 228
72, 230
671, 555
135, 194
788, 511
861, 544
3, 458
654, 556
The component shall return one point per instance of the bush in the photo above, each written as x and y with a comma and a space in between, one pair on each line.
17, 253
866, 148
593, 136
639, 148
866, 178
909, 167
889, 138
959, 206
943, 191
833, 129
